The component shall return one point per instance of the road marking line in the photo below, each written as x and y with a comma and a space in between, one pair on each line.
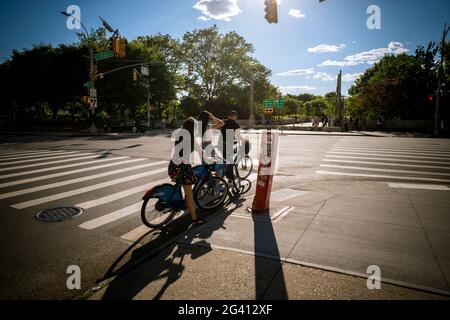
279, 213
77, 180
418, 186
136, 233
75, 192
66, 173
401, 152
26, 156
48, 163
388, 164
379, 176
385, 170
59, 167
443, 149
111, 217
119, 195
66, 155
29, 154
386, 159
388, 155
284, 214
286, 194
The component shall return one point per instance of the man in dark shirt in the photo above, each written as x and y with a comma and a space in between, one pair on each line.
229, 132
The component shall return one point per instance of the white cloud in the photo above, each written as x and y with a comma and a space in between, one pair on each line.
297, 72
217, 9
296, 13
369, 57
334, 63
375, 55
203, 18
296, 89
350, 77
324, 76
323, 48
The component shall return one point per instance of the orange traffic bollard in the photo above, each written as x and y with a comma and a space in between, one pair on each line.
267, 159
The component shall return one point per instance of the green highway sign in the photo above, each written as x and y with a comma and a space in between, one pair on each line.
268, 103
279, 104
89, 84
104, 55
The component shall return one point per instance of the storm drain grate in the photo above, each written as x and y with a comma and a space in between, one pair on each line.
59, 214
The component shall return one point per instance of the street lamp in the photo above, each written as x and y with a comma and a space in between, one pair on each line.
93, 128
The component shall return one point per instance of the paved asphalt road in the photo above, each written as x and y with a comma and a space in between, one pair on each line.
107, 175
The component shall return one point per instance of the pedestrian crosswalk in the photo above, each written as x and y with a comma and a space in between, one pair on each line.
102, 185
107, 187
416, 162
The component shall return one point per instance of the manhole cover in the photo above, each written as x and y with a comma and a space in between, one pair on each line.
59, 214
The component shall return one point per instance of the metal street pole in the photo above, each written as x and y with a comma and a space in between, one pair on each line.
439, 75
252, 102
93, 128
148, 101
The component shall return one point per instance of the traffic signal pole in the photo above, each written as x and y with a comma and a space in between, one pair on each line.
252, 102
439, 76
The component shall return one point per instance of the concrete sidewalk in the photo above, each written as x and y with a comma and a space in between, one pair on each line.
316, 243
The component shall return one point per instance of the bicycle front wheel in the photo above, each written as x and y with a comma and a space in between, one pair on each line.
211, 194
155, 213
244, 167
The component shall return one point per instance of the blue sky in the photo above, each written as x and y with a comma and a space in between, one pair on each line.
305, 50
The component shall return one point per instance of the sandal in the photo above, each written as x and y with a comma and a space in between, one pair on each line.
198, 222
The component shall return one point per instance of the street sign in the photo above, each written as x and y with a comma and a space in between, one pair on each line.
93, 93
93, 103
279, 104
144, 71
104, 55
268, 103
268, 110
88, 84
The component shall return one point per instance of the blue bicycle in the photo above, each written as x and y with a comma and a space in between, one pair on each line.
162, 202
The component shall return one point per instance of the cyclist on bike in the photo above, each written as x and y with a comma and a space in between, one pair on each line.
180, 168
205, 118
229, 132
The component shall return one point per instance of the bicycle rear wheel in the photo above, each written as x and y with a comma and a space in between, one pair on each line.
211, 194
243, 168
155, 213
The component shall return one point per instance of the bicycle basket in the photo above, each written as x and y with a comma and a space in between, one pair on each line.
199, 171
167, 193
219, 168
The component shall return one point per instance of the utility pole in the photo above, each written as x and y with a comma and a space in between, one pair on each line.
252, 101
439, 76
339, 111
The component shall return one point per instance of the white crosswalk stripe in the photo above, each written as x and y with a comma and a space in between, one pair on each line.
65, 155
45, 177
71, 193
77, 180
119, 195
78, 164
65, 173
29, 154
388, 162
110, 217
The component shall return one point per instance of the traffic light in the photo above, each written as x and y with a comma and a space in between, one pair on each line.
135, 75
190, 69
86, 99
122, 51
271, 11
430, 98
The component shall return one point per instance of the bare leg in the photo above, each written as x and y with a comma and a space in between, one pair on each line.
190, 201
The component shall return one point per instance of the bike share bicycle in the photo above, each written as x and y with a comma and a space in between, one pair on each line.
162, 202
